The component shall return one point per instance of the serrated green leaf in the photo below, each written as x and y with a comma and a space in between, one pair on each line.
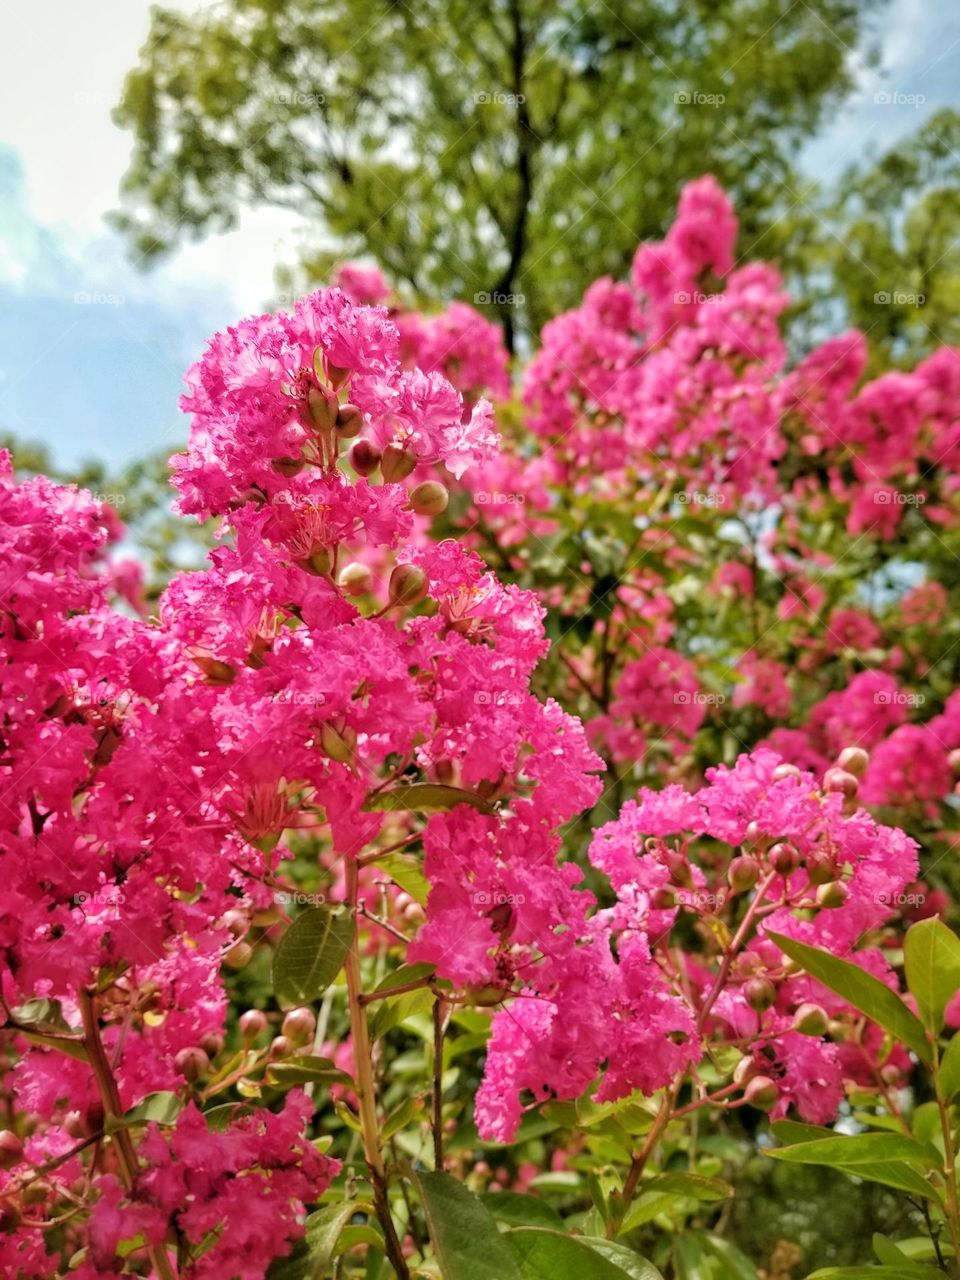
862, 990
311, 954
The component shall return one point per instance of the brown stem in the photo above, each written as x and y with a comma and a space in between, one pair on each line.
110, 1098
366, 1090
949, 1162
437, 1100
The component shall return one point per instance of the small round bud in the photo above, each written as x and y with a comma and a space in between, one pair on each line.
445, 771
339, 741
760, 994
832, 894
742, 874
324, 406
212, 1043
364, 458
236, 921
784, 858
761, 1092
853, 760
355, 579
396, 462
299, 1025
11, 1149
679, 868
953, 759
429, 498
753, 834
192, 1063
280, 1047
786, 771
349, 421
74, 1125
239, 955
408, 584
36, 1192
216, 673
891, 1074
744, 1070
664, 898
253, 1023
820, 868
810, 1020
839, 780
319, 562
288, 467
10, 1216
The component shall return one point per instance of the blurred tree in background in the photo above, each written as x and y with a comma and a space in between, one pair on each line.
482, 147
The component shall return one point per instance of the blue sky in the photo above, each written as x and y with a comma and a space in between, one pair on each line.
92, 350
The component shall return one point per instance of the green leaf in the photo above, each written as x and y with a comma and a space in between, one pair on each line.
405, 974
518, 1210
862, 990
306, 1070
406, 871
890, 1158
425, 797
905, 1271
465, 1238
931, 954
391, 1012
551, 1255
668, 1191
311, 954
155, 1108
41, 1015
313, 1254
401, 1116
630, 1263
949, 1073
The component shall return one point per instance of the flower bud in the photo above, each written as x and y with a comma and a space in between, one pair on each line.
891, 1074
408, 584
36, 1192
10, 1216
364, 458
324, 406
349, 422
744, 1069
239, 955
299, 1025
11, 1149
288, 467
663, 899
839, 780
216, 673
338, 741
810, 1020
355, 579
396, 462
786, 771
784, 858
953, 759
280, 1047
853, 760
212, 1042
236, 921
319, 562
679, 868
820, 868
445, 771
429, 498
742, 874
832, 894
760, 994
762, 1093
192, 1063
253, 1023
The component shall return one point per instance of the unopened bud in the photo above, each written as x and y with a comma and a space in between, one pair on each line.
11, 1149
891, 1074
810, 1020
280, 1047
396, 462
37, 1192
239, 955
10, 1216
408, 584
319, 562
786, 771
299, 1025
679, 868
253, 1023
762, 1093
820, 868
364, 458
288, 467
349, 422
663, 899
324, 407
212, 1043
833, 894
742, 874
192, 1063
355, 579
839, 780
854, 760
784, 858
215, 672
429, 498
953, 759
744, 1069
236, 921
760, 994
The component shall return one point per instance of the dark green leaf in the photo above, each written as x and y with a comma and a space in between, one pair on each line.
550, 1255
311, 954
425, 797
155, 1108
465, 1238
518, 1210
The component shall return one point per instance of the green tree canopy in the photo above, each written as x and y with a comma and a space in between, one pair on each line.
505, 147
